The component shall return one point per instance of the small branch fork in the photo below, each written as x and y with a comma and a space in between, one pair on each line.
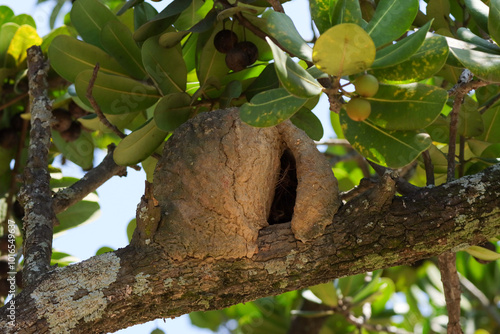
96, 107
35, 194
447, 261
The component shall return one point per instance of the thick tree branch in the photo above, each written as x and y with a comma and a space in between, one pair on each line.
35, 195
94, 178
137, 284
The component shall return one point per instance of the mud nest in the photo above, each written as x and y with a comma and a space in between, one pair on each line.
220, 181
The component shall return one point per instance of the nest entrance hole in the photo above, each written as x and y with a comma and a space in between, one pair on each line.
285, 191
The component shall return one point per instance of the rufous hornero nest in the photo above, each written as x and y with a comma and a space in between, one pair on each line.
220, 181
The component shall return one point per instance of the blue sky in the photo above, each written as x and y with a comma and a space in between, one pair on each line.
119, 196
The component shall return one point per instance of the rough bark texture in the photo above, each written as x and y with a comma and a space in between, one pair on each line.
216, 182
137, 284
36, 195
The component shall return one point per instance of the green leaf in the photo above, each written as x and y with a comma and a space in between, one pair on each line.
166, 66
131, 228
483, 253
270, 108
172, 38
402, 50
143, 12
491, 119
391, 20
162, 21
268, 79
47, 39
479, 12
69, 57
232, 91
439, 11
210, 319
281, 27
80, 151
89, 18
193, 14
25, 37
321, 12
369, 289
173, 110
293, 77
484, 65
211, 63
389, 148
129, 4
470, 122
139, 144
118, 42
468, 36
344, 49
92, 122
61, 259
326, 292
23, 19
7, 32
104, 249
347, 11
494, 20
6, 14
306, 120
406, 107
427, 61
116, 94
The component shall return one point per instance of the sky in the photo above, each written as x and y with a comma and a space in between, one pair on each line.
119, 197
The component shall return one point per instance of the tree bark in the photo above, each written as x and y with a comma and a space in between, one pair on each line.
137, 284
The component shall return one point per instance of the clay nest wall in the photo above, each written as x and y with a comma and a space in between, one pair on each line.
220, 181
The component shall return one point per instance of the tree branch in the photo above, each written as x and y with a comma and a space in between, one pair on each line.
94, 178
96, 107
137, 284
35, 195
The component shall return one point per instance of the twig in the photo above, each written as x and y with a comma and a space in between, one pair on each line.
333, 141
481, 297
447, 261
360, 322
429, 168
35, 194
14, 100
96, 107
451, 286
489, 104
276, 4
90, 182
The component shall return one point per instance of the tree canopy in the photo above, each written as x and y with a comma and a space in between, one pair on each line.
244, 224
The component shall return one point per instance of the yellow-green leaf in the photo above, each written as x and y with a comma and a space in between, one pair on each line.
344, 49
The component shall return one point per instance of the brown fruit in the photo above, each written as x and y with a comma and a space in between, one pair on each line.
237, 59
225, 40
76, 111
250, 49
63, 120
8, 138
73, 132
